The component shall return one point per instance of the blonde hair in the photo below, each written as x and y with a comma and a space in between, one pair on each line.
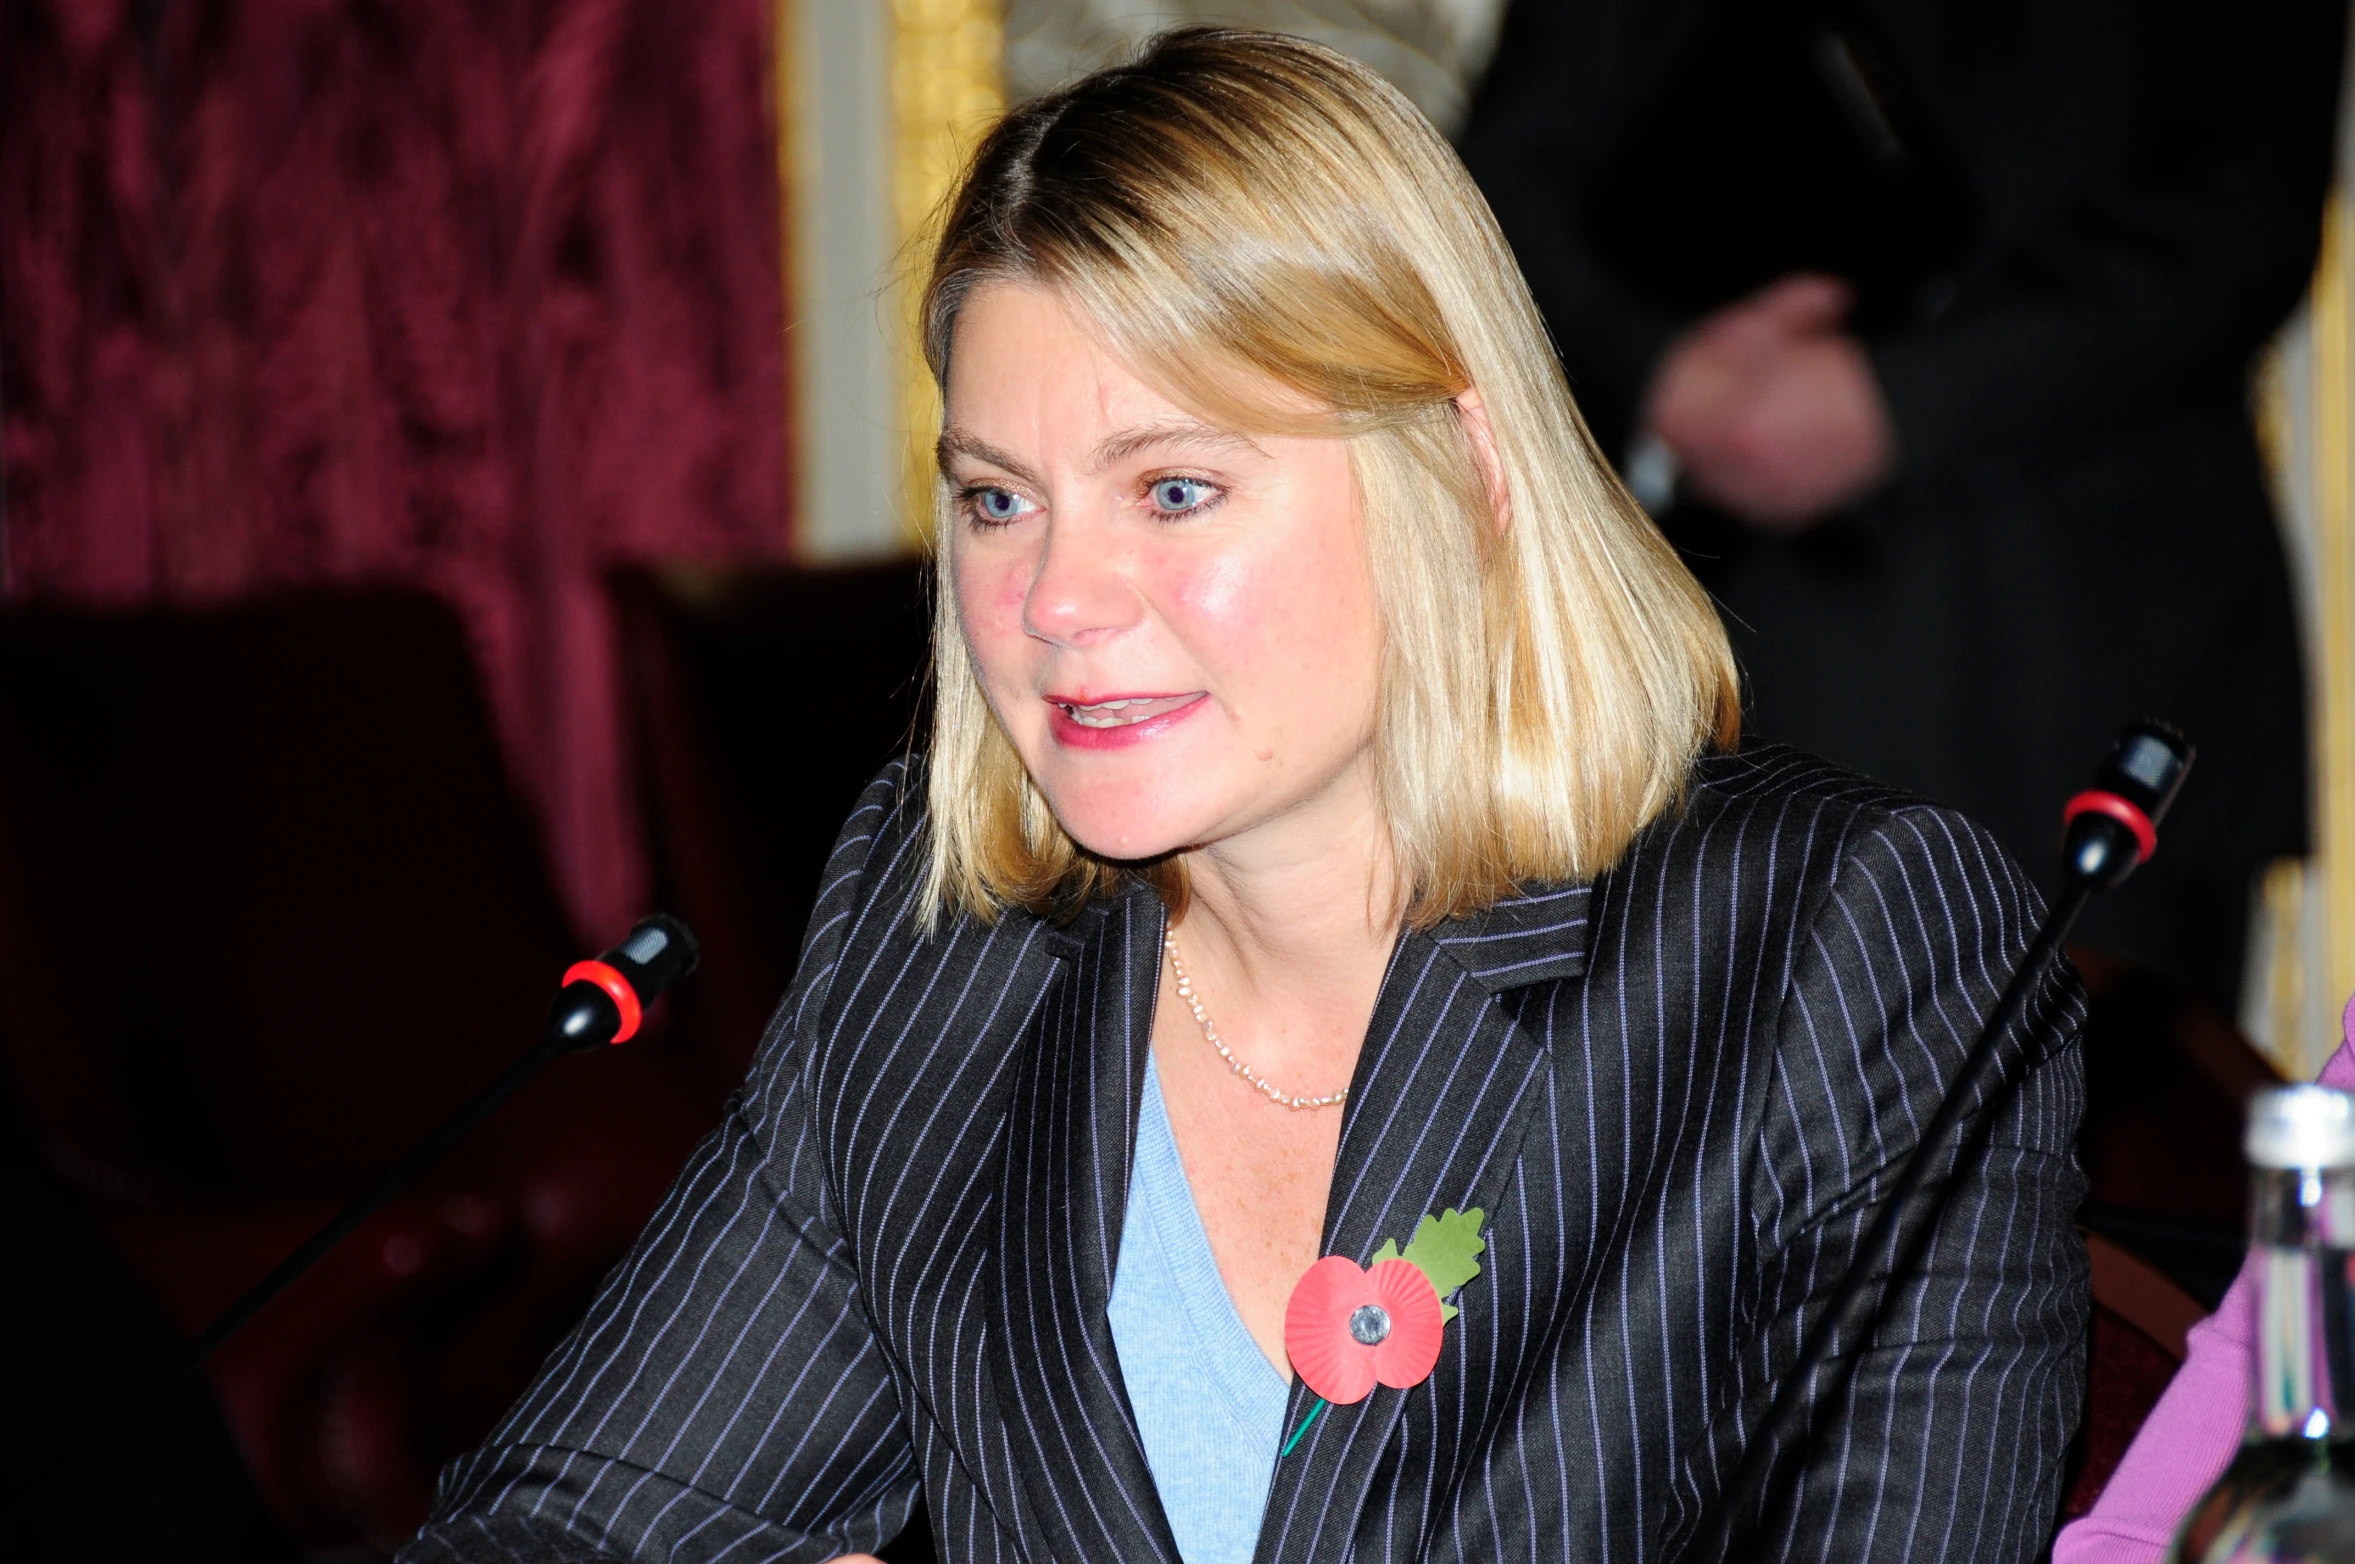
1252, 220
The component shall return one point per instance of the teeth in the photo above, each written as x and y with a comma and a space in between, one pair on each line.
1112, 714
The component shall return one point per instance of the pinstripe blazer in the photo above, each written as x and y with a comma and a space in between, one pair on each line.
1675, 1091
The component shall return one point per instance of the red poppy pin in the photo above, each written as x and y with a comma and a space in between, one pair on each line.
1348, 1329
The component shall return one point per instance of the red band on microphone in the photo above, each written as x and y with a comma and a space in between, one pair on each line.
617, 988
2095, 801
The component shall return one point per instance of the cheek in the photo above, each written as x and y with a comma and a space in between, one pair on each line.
1334, 588
1222, 592
1295, 619
1236, 615
990, 594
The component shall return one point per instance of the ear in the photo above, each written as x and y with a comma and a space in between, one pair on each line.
1472, 414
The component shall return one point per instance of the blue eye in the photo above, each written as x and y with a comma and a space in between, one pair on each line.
996, 506
1176, 496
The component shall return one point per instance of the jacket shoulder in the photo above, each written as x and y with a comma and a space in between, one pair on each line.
1764, 784
1834, 820
1779, 774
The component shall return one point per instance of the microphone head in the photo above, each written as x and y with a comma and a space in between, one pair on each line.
2113, 826
2146, 767
658, 952
602, 1001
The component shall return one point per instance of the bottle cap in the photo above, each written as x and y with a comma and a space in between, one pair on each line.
2300, 1127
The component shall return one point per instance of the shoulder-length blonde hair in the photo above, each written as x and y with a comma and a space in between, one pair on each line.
1250, 221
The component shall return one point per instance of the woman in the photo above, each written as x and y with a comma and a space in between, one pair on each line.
1328, 843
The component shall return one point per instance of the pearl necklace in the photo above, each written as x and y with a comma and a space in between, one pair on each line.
1185, 988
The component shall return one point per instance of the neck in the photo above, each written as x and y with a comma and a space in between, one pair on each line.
1303, 906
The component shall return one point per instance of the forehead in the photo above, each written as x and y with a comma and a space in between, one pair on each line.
1033, 389
1022, 354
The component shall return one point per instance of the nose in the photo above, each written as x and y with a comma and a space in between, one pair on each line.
1080, 593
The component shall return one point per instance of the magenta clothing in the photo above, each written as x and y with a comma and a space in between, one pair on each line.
2194, 1429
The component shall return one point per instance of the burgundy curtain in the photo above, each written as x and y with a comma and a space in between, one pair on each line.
477, 295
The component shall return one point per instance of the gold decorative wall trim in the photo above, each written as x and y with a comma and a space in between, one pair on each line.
878, 103
2334, 638
947, 89
2305, 923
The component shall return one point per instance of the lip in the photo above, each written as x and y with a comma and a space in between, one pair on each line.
1075, 735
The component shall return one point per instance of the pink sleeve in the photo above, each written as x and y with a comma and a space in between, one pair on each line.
2192, 1432
2183, 1444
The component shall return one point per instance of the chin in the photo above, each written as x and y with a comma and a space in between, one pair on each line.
1127, 820
1118, 849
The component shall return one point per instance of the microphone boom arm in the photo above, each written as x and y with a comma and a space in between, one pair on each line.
347, 1221
600, 1003
2111, 829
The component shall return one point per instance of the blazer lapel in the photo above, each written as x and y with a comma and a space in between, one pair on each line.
1436, 1113
1071, 1130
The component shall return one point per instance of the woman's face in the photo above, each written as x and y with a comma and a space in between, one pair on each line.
1176, 624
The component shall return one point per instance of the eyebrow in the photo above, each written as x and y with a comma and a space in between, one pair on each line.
955, 442
1176, 431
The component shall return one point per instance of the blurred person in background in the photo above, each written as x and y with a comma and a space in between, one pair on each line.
1431, 50
1926, 330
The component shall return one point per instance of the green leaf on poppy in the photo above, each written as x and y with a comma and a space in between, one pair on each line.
1444, 1248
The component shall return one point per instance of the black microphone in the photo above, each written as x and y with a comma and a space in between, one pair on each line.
2108, 831
2131, 794
601, 1002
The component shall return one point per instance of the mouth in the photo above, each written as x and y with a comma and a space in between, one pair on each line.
1124, 711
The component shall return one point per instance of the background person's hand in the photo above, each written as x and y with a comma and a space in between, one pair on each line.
1771, 408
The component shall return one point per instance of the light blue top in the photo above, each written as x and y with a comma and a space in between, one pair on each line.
1209, 1405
